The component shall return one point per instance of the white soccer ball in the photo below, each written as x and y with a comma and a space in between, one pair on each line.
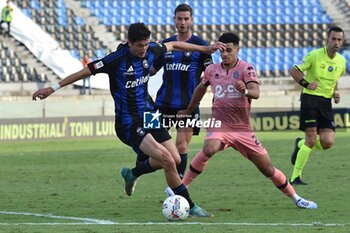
175, 208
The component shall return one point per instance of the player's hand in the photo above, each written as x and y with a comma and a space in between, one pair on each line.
312, 86
217, 45
336, 97
43, 93
240, 86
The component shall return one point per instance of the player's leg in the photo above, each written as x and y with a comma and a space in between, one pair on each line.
8, 28
183, 138
1, 27
310, 109
265, 166
249, 146
162, 154
200, 161
303, 155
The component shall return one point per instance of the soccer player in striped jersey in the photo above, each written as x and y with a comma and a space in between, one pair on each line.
182, 73
129, 69
323, 67
234, 84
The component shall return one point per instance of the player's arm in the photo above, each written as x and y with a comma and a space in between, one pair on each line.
336, 94
250, 90
197, 96
45, 92
298, 76
183, 46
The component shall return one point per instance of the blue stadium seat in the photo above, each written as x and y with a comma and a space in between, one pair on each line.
35, 4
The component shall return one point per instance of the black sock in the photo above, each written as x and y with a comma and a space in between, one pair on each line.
141, 158
182, 191
142, 168
182, 166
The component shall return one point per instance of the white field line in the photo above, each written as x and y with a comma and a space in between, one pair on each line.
92, 221
85, 220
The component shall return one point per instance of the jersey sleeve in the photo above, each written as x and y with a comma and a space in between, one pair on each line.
158, 49
249, 74
307, 62
105, 64
207, 75
158, 64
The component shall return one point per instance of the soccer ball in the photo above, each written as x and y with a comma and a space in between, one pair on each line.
175, 208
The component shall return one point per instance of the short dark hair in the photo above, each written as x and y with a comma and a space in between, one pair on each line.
335, 29
183, 7
137, 32
229, 37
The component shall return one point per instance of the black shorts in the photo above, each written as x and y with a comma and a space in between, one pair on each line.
316, 111
169, 117
133, 135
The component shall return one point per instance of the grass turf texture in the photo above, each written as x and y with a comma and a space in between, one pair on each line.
80, 178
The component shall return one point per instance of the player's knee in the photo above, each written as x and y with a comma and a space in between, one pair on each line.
182, 147
209, 151
310, 142
326, 144
167, 160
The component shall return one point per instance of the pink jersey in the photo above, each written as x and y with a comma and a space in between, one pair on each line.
229, 105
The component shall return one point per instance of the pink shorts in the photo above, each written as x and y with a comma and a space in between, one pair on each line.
244, 142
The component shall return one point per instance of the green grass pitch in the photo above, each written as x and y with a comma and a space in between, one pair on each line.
75, 186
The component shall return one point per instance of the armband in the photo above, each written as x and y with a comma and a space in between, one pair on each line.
55, 86
304, 83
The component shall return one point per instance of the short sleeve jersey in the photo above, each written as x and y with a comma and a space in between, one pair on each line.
128, 78
229, 105
324, 70
182, 73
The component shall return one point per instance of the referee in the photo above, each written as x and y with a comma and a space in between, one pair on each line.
323, 66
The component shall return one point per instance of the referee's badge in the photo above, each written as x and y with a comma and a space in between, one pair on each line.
145, 64
330, 68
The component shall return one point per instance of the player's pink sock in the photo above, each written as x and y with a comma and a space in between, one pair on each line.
281, 182
198, 164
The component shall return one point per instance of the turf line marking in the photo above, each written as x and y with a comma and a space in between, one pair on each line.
93, 221
85, 220
184, 223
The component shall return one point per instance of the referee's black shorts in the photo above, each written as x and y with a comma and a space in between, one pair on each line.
316, 111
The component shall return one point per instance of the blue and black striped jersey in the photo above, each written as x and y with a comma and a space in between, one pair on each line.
128, 78
182, 73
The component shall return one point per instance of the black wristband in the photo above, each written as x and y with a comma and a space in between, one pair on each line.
304, 83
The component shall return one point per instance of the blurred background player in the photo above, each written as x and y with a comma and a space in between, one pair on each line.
6, 17
323, 66
86, 81
182, 73
234, 84
128, 69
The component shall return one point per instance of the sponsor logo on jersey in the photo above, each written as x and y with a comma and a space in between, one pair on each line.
137, 82
98, 65
130, 71
236, 75
177, 66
